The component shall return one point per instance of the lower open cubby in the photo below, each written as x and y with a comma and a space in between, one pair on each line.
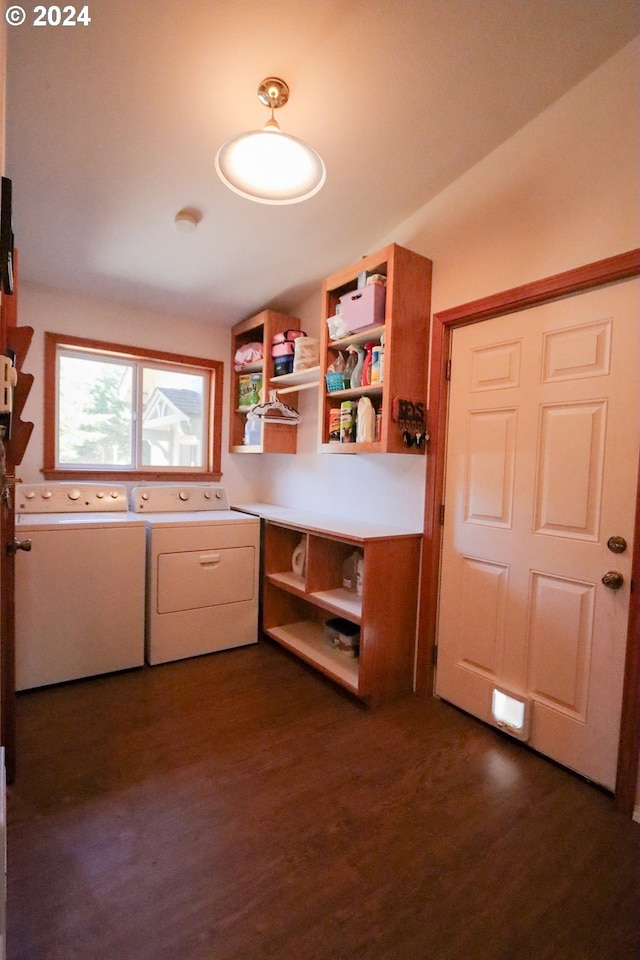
298, 625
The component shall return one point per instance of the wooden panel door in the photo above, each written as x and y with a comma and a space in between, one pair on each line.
542, 453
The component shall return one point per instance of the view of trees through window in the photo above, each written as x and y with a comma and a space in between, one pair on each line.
122, 413
95, 411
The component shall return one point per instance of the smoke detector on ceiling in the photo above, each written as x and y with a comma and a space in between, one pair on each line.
187, 220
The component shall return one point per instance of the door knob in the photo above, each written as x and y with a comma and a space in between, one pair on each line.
613, 579
14, 545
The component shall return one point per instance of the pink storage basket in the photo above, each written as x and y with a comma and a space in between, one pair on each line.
364, 308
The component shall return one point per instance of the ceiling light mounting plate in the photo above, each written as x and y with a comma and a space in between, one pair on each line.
273, 92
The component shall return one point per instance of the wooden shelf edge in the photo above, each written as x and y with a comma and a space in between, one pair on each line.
312, 385
334, 446
360, 337
289, 581
341, 602
308, 375
373, 389
256, 367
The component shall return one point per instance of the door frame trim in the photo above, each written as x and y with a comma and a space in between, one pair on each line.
624, 266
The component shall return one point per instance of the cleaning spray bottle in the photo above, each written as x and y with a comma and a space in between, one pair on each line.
356, 376
366, 367
350, 365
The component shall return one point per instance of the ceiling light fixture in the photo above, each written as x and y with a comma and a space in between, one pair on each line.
269, 166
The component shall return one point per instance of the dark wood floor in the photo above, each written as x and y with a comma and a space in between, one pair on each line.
238, 807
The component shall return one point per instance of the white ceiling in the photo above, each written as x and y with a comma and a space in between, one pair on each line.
113, 127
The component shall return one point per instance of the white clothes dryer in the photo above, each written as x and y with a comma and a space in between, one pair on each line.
202, 571
79, 601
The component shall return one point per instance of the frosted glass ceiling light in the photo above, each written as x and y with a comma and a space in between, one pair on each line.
269, 166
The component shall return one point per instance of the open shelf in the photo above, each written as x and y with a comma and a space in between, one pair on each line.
344, 603
288, 580
359, 337
274, 437
404, 368
298, 380
306, 639
352, 393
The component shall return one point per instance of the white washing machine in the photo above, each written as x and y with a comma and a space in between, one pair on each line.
202, 571
80, 589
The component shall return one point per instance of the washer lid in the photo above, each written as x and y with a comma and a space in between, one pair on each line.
75, 521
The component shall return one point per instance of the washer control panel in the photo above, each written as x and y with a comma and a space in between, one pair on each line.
71, 497
174, 498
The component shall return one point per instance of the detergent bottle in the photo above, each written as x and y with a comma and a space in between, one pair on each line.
365, 421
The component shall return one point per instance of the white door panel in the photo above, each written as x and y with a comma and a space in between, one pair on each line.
541, 468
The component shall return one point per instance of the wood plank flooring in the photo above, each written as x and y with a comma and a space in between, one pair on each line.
239, 807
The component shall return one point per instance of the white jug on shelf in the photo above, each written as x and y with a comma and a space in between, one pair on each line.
299, 558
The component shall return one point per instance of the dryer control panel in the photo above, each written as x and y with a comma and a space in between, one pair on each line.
176, 498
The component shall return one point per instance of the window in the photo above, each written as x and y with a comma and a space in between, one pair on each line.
130, 411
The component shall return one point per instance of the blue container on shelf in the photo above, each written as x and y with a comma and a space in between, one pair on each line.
335, 381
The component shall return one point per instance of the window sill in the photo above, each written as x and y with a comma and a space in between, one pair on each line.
119, 476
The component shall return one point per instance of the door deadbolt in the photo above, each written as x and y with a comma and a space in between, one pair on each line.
617, 544
613, 579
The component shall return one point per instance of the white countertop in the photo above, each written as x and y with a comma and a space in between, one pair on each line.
325, 523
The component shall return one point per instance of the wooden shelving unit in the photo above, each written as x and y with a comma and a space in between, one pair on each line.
406, 332
295, 607
274, 437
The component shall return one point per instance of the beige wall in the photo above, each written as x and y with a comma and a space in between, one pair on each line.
562, 192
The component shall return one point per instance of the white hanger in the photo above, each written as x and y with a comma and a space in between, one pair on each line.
274, 411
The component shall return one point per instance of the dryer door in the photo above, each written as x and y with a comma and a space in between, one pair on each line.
192, 579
